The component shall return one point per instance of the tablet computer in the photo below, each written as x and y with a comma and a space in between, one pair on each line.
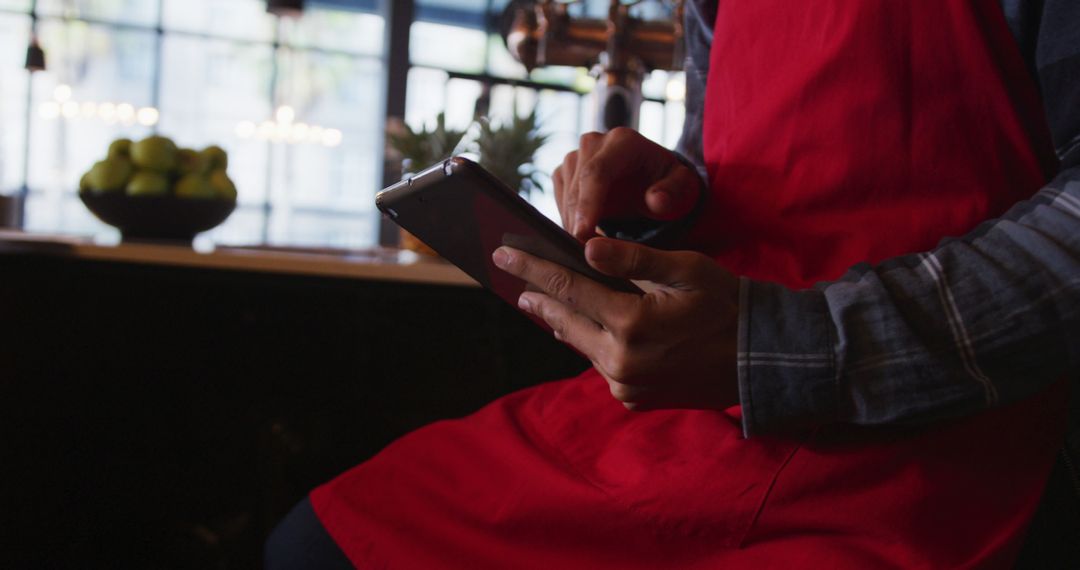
464, 213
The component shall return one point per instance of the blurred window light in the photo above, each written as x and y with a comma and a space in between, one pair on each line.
62, 93
49, 110
70, 109
148, 116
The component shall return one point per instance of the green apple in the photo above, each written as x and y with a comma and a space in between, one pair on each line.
215, 157
222, 184
195, 186
109, 175
190, 162
148, 183
154, 153
84, 182
120, 147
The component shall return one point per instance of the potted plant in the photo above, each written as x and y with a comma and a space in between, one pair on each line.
508, 150
420, 149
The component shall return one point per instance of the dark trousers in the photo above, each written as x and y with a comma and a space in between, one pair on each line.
300, 541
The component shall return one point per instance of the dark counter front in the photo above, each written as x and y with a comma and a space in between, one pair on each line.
162, 416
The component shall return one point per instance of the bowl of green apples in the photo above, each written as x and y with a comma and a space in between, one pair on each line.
152, 190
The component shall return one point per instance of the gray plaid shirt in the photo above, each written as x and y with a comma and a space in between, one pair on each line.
981, 321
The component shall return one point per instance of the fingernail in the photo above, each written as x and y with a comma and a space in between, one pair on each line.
579, 225
524, 304
501, 258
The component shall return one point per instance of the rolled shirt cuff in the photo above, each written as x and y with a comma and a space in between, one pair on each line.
787, 370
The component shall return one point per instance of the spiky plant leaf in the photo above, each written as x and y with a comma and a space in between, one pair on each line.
508, 151
425, 147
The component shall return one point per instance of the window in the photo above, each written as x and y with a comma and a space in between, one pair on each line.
298, 104
14, 35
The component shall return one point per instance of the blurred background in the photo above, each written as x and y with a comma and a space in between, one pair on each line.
300, 103
164, 407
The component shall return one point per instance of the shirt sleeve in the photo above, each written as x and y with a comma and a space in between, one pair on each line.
984, 320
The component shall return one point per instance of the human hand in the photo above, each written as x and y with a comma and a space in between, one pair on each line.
621, 175
673, 347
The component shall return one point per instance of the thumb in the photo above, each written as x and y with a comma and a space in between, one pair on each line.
630, 260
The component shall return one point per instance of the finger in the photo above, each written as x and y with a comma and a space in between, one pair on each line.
589, 145
567, 201
674, 196
582, 294
629, 260
569, 326
598, 176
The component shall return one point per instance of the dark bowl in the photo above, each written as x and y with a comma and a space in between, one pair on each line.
157, 218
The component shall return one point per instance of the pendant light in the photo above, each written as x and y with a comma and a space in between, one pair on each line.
35, 56
285, 8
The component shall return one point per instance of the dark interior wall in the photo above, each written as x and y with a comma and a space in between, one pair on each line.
161, 417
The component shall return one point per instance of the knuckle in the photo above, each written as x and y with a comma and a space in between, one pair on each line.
558, 283
622, 134
570, 159
618, 365
589, 171
590, 138
633, 330
625, 322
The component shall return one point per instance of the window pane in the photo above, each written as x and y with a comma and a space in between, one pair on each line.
209, 88
558, 113
655, 84
651, 121
500, 62
14, 34
139, 12
425, 97
341, 95
577, 78
335, 174
588, 113
244, 227
354, 32
20, 5
98, 80
243, 19
461, 96
428, 46
64, 213
467, 13
506, 101
676, 115
323, 229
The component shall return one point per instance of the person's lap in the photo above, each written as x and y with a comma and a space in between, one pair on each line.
562, 476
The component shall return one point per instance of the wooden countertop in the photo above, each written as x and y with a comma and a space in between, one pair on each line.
377, 263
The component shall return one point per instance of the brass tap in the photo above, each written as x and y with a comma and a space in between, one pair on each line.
620, 50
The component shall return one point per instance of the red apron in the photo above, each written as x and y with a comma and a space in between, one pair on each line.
836, 131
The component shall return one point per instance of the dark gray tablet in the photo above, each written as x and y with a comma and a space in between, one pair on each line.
464, 213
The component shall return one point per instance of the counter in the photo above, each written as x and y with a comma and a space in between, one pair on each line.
163, 408
380, 264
